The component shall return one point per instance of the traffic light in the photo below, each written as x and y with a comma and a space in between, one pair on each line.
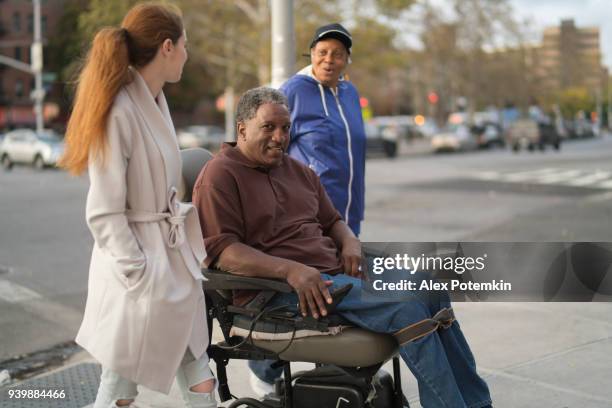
432, 97
366, 111
363, 102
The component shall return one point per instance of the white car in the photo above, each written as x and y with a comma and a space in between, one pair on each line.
454, 138
25, 146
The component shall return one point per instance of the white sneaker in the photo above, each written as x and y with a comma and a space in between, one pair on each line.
261, 388
201, 400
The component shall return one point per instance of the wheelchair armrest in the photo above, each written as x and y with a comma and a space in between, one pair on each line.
220, 280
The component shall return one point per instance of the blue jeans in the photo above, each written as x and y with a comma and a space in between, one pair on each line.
441, 362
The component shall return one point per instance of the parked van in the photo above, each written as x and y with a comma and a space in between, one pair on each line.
528, 134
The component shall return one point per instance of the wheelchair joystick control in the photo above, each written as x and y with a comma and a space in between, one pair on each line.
337, 297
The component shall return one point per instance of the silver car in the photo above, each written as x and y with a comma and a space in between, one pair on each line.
209, 137
28, 147
454, 138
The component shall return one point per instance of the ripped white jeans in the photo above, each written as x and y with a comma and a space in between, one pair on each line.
113, 387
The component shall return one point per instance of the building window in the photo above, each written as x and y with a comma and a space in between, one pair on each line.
19, 88
43, 25
30, 23
16, 22
18, 53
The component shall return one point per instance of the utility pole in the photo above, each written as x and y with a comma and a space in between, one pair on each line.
228, 95
230, 117
283, 41
609, 104
37, 67
599, 111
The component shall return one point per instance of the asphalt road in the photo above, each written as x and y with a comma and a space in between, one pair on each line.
493, 196
476, 196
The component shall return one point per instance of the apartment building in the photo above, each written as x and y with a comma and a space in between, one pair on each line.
570, 56
16, 36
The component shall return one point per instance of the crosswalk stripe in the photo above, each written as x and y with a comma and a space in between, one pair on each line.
488, 175
604, 185
14, 293
590, 179
42, 307
557, 177
575, 178
526, 175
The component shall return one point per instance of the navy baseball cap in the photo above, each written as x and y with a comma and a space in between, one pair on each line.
335, 31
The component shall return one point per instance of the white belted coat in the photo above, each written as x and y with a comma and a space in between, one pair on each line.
145, 304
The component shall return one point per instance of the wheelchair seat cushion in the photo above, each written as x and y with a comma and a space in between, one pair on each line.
338, 343
350, 347
265, 330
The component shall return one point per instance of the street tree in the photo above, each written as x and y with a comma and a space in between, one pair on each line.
575, 99
229, 44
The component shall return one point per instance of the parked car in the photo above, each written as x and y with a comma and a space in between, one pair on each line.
403, 125
583, 129
549, 135
381, 138
489, 135
453, 138
26, 146
206, 136
528, 134
428, 129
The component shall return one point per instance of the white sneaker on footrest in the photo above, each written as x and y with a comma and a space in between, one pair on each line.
261, 388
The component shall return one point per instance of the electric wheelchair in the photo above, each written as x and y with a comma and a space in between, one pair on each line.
347, 359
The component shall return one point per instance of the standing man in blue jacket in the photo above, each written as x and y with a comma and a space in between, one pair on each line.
328, 135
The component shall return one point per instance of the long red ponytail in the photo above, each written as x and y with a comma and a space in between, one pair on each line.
106, 71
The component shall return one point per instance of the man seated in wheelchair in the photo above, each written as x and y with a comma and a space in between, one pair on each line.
264, 214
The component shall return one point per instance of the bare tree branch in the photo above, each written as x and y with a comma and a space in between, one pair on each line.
250, 11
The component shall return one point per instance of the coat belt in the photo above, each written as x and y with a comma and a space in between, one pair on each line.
175, 216
176, 236
184, 226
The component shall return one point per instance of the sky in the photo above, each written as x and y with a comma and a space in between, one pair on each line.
586, 13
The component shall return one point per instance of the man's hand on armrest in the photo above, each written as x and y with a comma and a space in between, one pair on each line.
241, 259
350, 248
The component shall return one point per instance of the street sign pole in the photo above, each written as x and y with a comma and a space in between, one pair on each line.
37, 67
609, 105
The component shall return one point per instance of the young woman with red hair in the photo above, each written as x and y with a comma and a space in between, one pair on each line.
145, 319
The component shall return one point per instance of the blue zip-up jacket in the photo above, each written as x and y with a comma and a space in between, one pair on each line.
327, 134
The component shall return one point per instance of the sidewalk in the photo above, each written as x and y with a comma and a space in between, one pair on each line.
531, 354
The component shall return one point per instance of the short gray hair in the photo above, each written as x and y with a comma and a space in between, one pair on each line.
252, 99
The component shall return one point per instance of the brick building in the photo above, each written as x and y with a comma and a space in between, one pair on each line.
570, 56
16, 35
